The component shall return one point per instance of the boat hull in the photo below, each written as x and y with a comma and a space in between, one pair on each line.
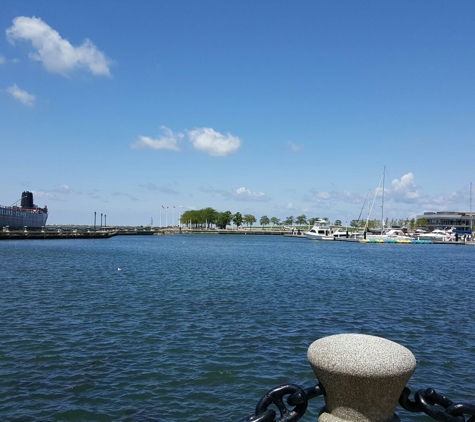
313, 236
16, 218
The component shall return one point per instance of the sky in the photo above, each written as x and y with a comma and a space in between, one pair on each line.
273, 108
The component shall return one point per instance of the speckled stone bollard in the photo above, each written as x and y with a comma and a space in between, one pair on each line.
363, 376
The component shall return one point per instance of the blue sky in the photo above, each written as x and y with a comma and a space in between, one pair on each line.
270, 108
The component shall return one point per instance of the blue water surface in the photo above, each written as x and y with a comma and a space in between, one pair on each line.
199, 327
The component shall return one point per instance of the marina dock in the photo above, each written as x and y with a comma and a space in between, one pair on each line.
68, 232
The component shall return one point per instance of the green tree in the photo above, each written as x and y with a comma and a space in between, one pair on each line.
192, 217
224, 219
249, 219
355, 223
275, 221
289, 220
301, 220
264, 221
412, 224
237, 219
210, 216
422, 222
338, 223
373, 224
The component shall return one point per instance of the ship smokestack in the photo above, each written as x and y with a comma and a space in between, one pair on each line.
27, 200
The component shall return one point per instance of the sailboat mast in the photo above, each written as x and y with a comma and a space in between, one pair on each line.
471, 214
374, 199
382, 202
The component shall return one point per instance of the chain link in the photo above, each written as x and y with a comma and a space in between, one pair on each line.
437, 406
296, 397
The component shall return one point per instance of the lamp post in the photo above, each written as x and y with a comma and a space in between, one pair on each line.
94, 220
105, 220
101, 220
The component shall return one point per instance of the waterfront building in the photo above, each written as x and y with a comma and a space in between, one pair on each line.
459, 220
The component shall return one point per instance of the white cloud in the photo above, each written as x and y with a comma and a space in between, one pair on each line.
2, 59
43, 195
168, 141
64, 189
213, 143
290, 206
346, 197
243, 194
163, 189
21, 95
404, 190
294, 147
56, 53
324, 195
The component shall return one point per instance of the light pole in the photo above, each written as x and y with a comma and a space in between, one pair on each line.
101, 220
94, 220
179, 216
105, 220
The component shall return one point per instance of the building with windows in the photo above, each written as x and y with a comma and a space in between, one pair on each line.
459, 220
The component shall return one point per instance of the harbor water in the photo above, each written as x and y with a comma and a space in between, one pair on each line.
199, 327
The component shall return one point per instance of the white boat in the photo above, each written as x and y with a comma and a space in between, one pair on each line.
439, 235
342, 234
390, 236
321, 230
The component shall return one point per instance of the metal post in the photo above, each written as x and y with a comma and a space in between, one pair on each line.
101, 220
94, 220
105, 220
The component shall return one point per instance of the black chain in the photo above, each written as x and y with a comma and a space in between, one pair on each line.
298, 397
437, 406
433, 404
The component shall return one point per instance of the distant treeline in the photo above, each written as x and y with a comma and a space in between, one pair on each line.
209, 217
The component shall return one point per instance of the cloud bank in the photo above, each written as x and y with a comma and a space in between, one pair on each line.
56, 53
21, 95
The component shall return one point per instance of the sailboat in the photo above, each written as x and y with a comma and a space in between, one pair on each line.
385, 236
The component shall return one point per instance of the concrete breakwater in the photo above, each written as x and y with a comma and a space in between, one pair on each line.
56, 234
68, 232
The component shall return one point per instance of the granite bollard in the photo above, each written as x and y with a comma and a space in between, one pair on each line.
363, 376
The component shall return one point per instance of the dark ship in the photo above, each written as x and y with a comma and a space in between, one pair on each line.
27, 214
